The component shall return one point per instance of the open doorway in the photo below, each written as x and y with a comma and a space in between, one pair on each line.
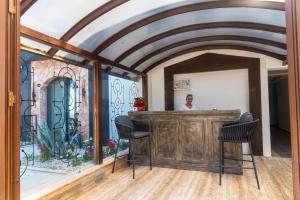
279, 113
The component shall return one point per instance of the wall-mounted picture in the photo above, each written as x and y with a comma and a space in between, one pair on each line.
182, 84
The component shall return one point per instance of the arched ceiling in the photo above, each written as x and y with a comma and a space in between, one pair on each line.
101, 10
208, 38
135, 35
204, 48
204, 26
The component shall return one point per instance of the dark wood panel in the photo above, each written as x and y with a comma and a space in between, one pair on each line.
202, 26
255, 106
145, 89
192, 130
293, 44
98, 155
204, 39
165, 144
217, 62
185, 9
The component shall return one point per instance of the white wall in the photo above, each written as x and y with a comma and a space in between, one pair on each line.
220, 89
156, 86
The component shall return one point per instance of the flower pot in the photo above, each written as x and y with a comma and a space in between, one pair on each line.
141, 108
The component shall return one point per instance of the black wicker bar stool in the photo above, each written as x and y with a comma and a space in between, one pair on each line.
132, 130
239, 132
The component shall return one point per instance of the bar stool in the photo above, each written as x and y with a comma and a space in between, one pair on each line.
239, 132
132, 130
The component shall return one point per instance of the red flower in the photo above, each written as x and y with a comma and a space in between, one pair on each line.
141, 108
138, 102
111, 144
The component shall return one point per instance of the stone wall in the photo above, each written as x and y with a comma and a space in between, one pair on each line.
47, 71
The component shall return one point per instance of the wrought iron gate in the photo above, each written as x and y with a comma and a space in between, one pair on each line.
65, 98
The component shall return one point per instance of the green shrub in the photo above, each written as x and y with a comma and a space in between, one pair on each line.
46, 142
75, 161
87, 157
45, 156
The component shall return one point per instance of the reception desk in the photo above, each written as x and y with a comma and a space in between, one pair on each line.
187, 139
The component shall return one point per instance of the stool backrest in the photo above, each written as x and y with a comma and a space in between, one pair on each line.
241, 132
246, 117
251, 128
124, 126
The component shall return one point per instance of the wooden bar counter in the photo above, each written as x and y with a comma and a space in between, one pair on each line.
187, 139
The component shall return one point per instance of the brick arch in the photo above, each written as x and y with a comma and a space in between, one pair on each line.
44, 75
44, 94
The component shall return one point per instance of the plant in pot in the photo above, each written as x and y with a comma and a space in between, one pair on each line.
139, 103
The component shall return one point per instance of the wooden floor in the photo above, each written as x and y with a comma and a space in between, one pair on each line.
168, 184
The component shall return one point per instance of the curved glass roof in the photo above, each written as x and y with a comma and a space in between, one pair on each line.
69, 56
121, 17
167, 53
110, 28
55, 17
34, 45
263, 16
193, 34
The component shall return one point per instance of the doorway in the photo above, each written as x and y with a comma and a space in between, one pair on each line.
62, 108
279, 113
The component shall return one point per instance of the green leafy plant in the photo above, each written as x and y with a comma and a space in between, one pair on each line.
88, 154
30, 157
45, 139
46, 155
76, 160
68, 151
86, 157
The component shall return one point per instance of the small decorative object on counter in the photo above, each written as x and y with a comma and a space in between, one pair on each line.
139, 103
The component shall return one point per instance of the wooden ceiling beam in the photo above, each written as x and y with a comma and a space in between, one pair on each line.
101, 10
205, 39
214, 47
26, 4
194, 27
185, 9
45, 39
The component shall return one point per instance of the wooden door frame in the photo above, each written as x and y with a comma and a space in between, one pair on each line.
10, 114
3, 103
293, 45
98, 130
145, 89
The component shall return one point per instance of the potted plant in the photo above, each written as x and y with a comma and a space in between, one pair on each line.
139, 103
